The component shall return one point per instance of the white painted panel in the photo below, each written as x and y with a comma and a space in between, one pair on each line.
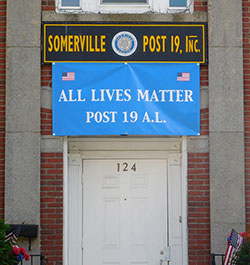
166, 144
175, 211
74, 215
111, 223
132, 217
138, 221
111, 181
101, 214
138, 181
89, 5
176, 254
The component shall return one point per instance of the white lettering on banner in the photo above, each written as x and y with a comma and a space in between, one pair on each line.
155, 119
105, 117
165, 95
124, 95
63, 97
133, 116
111, 94
119, 95
72, 97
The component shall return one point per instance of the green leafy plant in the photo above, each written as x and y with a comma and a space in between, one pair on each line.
6, 256
242, 257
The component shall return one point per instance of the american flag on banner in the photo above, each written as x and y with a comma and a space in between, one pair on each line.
68, 76
183, 76
234, 243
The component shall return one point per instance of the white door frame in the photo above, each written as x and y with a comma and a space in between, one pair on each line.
158, 147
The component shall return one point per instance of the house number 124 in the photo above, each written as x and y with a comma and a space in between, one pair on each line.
125, 167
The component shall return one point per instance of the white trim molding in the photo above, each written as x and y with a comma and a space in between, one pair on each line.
65, 200
76, 149
96, 6
184, 172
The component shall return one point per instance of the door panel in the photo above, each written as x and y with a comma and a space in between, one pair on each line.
124, 211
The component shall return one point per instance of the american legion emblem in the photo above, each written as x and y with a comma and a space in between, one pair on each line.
124, 43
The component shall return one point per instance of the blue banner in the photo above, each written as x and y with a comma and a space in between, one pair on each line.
126, 99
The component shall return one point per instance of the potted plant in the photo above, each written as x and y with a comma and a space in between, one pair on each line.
242, 256
10, 253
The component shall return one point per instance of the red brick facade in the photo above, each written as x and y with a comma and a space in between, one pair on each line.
48, 5
198, 209
204, 76
200, 5
46, 114
204, 118
46, 75
52, 207
46, 121
2, 102
204, 122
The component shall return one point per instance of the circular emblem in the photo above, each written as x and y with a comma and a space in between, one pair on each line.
124, 43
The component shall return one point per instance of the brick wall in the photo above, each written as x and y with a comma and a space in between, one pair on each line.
51, 188
204, 122
2, 102
199, 5
46, 121
52, 207
246, 65
198, 209
46, 75
204, 76
204, 118
48, 5
46, 114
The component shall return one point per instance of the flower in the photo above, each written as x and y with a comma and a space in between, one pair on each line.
243, 234
22, 251
16, 250
26, 256
19, 257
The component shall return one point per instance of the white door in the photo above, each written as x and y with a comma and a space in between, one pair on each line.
125, 212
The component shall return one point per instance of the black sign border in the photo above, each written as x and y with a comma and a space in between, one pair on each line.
128, 23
